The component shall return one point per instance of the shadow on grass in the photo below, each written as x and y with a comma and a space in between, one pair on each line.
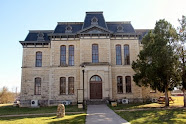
10, 110
50, 119
155, 116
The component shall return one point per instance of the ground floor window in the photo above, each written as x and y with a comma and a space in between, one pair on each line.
71, 85
62, 85
37, 89
128, 84
119, 84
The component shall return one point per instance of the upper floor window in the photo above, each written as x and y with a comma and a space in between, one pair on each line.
118, 55
95, 55
119, 84
63, 55
71, 85
38, 59
71, 55
62, 85
37, 89
126, 55
128, 84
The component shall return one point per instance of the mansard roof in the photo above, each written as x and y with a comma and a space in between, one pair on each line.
90, 16
33, 35
94, 23
142, 32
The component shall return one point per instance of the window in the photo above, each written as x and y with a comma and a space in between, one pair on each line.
62, 85
118, 55
120, 84
71, 55
38, 59
63, 55
128, 84
71, 85
37, 89
126, 55
95, 78
95, 57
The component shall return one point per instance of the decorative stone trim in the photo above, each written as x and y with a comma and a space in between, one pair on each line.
68, 29
120, 28
40, 36
94, 21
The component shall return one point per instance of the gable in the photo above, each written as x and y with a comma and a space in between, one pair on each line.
94, 30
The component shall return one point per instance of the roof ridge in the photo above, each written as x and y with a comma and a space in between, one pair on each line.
36, 31
120, 22
66, 23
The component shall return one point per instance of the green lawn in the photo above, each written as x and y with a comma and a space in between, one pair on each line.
68, 119
10, 110
153, 116
173, 116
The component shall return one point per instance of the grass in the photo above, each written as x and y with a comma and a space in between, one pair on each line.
173, 116
177, 103
153, 116
10, 110
68, 119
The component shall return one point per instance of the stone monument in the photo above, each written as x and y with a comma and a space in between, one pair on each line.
60, 111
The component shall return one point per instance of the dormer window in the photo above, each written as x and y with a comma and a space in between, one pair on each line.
120, 28
68, 29
94, 21
40, 36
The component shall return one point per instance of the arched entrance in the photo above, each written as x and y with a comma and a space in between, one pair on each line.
95, 87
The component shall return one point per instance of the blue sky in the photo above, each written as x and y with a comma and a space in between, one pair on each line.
19, 16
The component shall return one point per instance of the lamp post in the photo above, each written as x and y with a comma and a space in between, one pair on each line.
83, 89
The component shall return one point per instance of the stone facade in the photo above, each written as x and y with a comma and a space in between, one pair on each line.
82, 40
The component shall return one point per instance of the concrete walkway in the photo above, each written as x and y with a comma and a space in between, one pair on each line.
102, 114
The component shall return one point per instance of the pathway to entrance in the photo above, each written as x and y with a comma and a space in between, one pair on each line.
102, 114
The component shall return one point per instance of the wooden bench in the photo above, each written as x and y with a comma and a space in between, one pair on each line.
161, 99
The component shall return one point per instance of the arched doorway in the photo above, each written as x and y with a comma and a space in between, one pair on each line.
95, 87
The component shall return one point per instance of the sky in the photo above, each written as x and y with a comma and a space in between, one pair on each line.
17, 17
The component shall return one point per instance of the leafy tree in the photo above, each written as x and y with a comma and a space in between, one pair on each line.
6, 96
157, 65
181, 51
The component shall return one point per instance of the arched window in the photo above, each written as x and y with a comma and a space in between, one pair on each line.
38, 59
118, 55
128, 84
119, 84
126, 55
37, 89
95, 54
95, 78
71, 85
63, 55
62, 85
71, 55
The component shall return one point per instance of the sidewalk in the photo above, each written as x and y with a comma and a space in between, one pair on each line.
101, 114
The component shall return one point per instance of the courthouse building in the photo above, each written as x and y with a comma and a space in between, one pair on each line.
95, 54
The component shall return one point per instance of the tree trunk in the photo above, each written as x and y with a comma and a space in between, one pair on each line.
184, 95
166, 97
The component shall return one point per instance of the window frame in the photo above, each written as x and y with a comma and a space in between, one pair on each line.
95, 53
37, 88
120, 85
63, 55
62, 86
118, 55
38, 59
71, 55
128, 84
126, 54
70, 85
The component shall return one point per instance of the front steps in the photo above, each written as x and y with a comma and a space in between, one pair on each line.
95, 102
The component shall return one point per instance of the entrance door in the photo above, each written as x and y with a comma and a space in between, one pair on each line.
95, 87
